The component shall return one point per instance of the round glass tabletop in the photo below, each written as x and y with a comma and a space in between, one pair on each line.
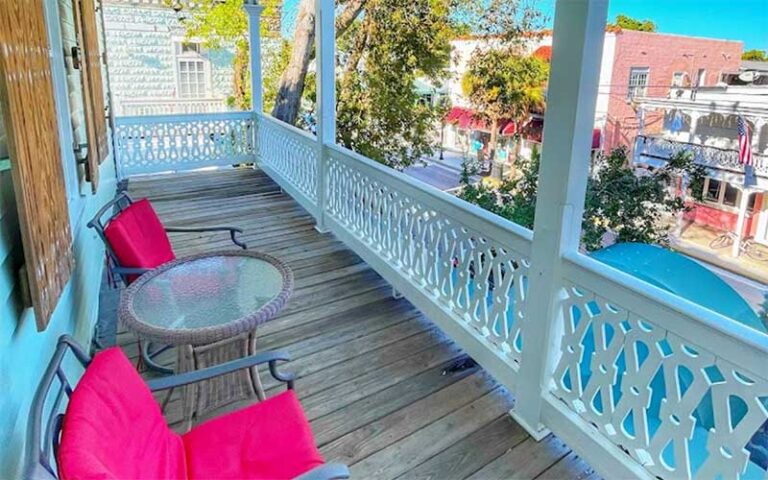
194, 299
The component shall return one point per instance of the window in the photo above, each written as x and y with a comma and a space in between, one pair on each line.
192, 68
712, 190
638, 82
701, 78
678, 79
721, 193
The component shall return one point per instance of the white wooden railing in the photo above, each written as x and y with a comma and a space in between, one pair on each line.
170, 143
663, 149
658, 386
130, 107
640, 382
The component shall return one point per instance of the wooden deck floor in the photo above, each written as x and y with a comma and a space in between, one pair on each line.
372, 369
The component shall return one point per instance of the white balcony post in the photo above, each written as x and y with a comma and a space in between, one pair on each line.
325, 64
577, 50
253, 9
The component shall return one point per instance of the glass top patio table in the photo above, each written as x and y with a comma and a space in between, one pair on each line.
205, 298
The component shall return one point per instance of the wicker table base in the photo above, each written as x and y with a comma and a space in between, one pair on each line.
204, 397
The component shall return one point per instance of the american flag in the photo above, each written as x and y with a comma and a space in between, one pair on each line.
745, 142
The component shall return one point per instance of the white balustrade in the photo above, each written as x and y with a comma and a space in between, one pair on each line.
289, 156
680, 389
183, 142
467, 266
669, 389
714, 157
131, 107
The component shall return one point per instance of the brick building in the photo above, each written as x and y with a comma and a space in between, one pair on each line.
650, 65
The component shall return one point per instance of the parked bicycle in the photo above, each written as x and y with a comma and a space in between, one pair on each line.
748, 246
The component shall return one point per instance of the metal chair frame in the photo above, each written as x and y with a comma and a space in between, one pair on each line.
115, 207
44, 432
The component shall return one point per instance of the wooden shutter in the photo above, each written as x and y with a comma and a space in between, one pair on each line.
29, 115
93, 89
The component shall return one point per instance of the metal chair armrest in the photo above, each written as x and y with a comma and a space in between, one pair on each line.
329, 471
233, 231
181, 379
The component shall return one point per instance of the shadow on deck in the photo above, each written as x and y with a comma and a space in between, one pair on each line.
372, 369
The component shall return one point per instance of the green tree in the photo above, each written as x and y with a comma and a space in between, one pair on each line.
379, 112
501, 84
628, 23
620, 203
758, 55
224, 23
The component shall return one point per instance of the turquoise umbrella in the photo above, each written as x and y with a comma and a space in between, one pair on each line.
682, 276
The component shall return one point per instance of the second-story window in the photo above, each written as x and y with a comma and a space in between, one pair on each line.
678, 79
638, 82
192, 67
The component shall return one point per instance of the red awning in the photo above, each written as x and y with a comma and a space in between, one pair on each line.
509, 128
466, 118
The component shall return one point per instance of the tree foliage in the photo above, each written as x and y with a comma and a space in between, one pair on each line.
502, 84
626, 22
620, 205
220, 24
758, 55
379, 112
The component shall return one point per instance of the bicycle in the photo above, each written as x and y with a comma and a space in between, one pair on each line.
747, 246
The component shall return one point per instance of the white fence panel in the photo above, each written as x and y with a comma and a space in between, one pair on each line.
155, 144
680, 389
290, 156
461, 265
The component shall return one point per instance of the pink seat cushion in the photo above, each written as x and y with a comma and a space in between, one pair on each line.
113, 427
138, 238
269, 440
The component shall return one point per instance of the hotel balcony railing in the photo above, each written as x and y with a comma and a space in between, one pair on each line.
658, 385
662, 149
173, 106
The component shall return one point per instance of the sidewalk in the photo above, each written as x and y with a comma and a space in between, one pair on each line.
695, 241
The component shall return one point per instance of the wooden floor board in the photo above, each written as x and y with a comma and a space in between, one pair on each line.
375, 377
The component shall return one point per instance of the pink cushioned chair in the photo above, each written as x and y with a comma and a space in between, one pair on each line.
135, 238
113, 428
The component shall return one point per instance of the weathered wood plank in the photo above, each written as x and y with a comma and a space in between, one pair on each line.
471, 453
420, 445
377, 435
525, 461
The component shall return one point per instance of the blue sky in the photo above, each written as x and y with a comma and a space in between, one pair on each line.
745, 20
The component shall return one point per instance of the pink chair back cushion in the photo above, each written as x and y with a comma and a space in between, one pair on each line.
138, 238
114, 429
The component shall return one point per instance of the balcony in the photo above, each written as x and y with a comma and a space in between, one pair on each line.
637, 381
579, 370
654, 149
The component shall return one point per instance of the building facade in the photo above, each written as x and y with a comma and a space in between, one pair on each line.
155, 69
652, 65
704, 122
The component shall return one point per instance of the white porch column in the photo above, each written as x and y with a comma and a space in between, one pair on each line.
695, 116
577, 51
743, 205
253, 9
325, 64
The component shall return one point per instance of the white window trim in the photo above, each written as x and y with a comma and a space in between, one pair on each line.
721, 195
179, 57
630, 88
